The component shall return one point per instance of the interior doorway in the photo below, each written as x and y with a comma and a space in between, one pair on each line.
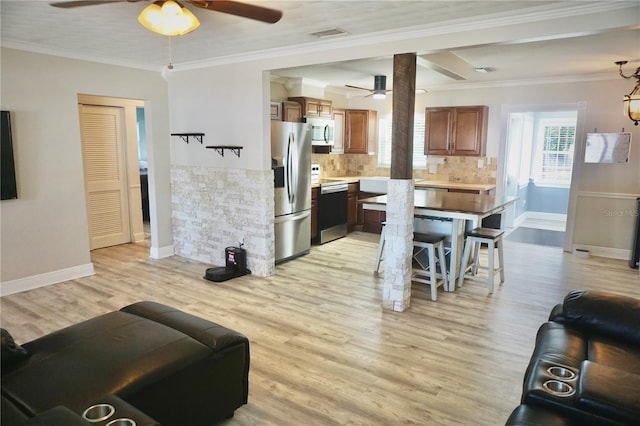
112, 178
539, 161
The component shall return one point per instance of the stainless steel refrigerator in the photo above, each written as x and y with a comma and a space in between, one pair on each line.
291, 164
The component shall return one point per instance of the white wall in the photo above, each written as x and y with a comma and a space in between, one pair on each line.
45, 231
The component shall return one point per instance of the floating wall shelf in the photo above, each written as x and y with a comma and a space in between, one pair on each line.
185, 136
220, 149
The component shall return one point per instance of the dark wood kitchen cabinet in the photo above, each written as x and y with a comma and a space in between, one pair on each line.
314, 213
360, 131
312, 107
370, 220
352, 206
456, 130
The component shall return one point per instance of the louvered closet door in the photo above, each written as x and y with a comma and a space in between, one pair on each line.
105, 175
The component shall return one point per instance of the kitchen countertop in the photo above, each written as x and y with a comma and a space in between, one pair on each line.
455, 185
349, 179
424, 183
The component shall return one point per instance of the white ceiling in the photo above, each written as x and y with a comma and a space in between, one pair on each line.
110, 33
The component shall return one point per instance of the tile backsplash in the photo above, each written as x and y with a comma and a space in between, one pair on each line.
454, 169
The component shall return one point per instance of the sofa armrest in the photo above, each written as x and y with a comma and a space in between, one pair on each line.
215, 336
606, 314
609, 392
57, 416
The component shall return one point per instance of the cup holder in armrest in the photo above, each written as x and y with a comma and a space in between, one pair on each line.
122, 422
561, 372
558, 388
98, 412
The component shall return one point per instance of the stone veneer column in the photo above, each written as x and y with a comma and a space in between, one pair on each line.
398, 249
398, 252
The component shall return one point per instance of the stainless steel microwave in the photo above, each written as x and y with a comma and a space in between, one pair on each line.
321, 130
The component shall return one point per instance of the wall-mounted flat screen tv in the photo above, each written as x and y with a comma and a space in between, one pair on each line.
7, 165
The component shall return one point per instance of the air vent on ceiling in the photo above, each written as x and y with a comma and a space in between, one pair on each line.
331, 32
484, 70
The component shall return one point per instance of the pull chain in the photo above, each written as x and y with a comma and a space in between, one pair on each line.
170, 66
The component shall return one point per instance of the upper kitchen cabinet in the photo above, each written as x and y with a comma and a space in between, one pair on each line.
312, 107
286, 111
338, 115
291, 111
360, 131
456, 130
275, 110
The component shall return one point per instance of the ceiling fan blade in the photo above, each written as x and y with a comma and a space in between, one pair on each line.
356, 87
80, 3
244, 10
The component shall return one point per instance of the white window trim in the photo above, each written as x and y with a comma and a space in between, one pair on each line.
384, 142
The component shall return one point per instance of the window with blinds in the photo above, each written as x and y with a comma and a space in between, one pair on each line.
384, 142
556, 138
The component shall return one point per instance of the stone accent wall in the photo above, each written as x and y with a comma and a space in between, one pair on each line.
216, 208
454, 169
398, 248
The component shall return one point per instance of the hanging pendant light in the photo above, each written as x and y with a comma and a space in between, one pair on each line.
631, 101
168, 18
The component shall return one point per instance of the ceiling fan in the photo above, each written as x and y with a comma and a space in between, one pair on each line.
244, 10
379, 87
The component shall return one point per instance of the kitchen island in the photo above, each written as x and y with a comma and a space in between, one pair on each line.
464, 211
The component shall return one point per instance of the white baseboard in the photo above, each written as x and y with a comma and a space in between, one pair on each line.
161, 252
545, 216
609, 252
48, 278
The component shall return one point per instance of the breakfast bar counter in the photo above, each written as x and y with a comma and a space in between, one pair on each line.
465, 211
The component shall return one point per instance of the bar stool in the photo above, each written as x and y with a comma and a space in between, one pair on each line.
493, 239
427, 273
380, 249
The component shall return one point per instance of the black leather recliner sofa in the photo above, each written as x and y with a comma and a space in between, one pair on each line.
152, 363
585, 367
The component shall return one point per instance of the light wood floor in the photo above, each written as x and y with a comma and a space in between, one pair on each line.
323, 352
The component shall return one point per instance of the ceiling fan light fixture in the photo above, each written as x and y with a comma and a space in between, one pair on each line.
168, 18
379, 95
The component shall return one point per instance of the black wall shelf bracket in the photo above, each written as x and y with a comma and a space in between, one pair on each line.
220, 149
185, 136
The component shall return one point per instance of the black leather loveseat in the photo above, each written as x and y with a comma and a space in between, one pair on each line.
151, 362
585, 368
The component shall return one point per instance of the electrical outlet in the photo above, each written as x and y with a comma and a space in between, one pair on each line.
480, 163
433, 169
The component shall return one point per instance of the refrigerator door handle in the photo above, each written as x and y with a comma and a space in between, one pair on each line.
292, 168
292, 217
